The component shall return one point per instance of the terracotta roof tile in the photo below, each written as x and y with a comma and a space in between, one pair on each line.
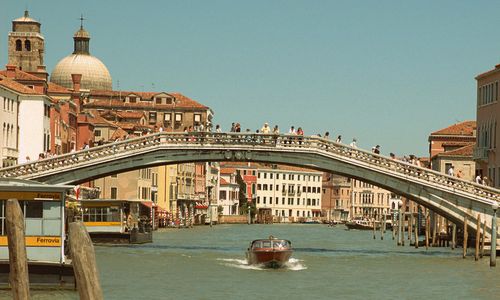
55, 88
462, 151
223, 181
228, 170
465, 128
21, 75
16, 86
119, 133
112, 99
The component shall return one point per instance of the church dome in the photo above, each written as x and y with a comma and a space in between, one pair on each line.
95, 75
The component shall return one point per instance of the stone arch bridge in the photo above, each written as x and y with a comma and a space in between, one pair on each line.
450, 197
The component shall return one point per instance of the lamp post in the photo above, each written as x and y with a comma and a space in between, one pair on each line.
493, 253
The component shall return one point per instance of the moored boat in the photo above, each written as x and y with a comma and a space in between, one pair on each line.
271, 252
360, 224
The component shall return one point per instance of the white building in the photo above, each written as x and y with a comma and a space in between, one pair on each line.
229, 192
25, 118
9, 101
292, 194
34, 126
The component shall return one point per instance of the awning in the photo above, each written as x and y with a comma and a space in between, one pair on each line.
149, 204
201, 206
316, 210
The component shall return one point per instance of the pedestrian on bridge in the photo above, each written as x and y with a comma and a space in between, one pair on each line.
339, 139
353, 143
265, 129
451, 171
327, 135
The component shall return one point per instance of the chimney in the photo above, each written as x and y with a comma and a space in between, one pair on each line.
41, 72
11, 71
77, 79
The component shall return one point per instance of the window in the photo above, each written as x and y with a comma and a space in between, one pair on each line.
114, 192
265, 175
132, 99
97, 132
19, 45
167, 117
271, 176
197, 118
27, 45
222, 195
178, 117
152, 117
34, 209
158, 100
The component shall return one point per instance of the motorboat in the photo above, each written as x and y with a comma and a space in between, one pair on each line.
270, 252
360, 224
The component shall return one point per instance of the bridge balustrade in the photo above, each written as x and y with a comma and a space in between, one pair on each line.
268, 142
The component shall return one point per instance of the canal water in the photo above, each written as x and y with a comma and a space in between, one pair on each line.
328, 263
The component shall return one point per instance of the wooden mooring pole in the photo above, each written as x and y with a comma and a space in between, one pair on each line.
382, 228
374, 227
466, 236
453, 236
481, 253
84, 265
478, 237
416, 232
18, 261
493, 250
427, 225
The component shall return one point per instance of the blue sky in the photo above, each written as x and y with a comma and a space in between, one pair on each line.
385, 72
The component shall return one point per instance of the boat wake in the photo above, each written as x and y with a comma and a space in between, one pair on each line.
293, 264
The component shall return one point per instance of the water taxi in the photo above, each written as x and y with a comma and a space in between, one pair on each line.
360, 224
271, 252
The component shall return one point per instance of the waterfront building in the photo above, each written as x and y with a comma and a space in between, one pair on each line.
291, 194
369, 201
229, 190
335, 198
487, 117
10, 92
453, 146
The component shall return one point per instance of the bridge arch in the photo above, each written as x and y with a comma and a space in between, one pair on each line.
448, 196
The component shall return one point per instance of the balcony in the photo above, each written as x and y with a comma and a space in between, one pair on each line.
291, 193
480, 154
10, 152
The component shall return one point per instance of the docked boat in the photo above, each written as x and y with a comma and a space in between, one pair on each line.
271, 252
360, 224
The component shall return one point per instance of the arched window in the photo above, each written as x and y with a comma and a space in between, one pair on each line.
27, 45
19, 45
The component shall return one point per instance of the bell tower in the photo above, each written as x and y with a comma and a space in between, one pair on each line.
26, 44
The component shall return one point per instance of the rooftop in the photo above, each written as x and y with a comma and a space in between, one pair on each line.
466, 128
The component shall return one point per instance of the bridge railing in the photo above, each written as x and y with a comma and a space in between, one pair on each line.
284, 141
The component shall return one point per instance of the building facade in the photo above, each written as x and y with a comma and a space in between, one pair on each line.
291, 194
369, 201
487, 117
335, 198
